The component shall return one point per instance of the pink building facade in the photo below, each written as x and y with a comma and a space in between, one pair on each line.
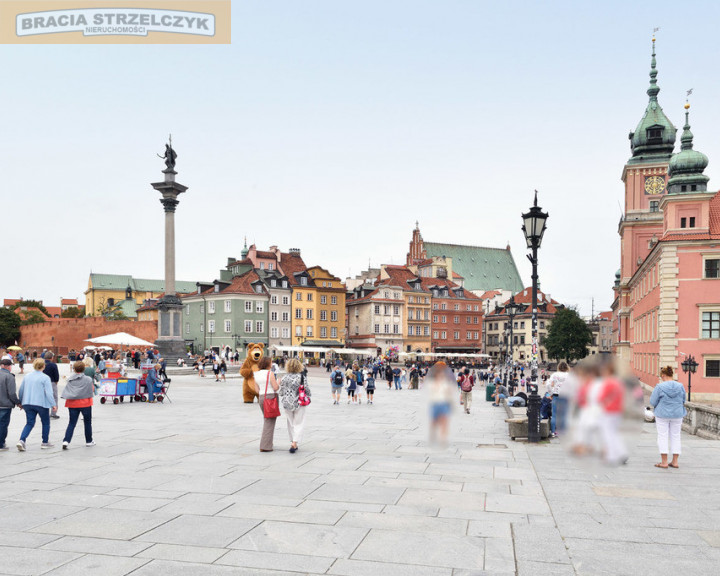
667, 291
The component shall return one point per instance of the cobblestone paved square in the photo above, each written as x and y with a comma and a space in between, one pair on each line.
180, 488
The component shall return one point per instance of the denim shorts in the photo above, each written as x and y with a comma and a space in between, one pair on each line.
439, 410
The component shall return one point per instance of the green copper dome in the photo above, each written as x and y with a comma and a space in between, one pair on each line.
686, 167
654, 137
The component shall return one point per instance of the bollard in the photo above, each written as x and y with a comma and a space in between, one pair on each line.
533, 414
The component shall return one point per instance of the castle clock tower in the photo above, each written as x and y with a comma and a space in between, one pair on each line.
645, 179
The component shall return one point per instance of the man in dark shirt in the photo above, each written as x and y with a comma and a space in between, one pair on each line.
51, 370
8, 399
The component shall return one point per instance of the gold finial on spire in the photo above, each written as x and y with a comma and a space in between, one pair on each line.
654, 31
687, 97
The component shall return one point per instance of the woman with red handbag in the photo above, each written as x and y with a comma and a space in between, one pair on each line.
267, 387
295, 396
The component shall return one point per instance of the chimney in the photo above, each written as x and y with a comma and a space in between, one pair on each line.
295, 251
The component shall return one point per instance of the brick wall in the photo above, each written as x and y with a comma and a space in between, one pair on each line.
65, 334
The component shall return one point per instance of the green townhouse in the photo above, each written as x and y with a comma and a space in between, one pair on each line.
227, 313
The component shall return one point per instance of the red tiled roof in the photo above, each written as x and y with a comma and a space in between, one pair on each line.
715, 215
10, 301
266, 255
398, 276
444, 282
525, 297
605, 315
53, 310
456, 275
68, 302
291, 264
241, 284
490, 294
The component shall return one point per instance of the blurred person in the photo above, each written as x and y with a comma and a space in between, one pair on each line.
351, 385
78, 395
20, 359
293, 387
414, 377
336, 383
8, 399
36, 398
266, 387
397, 373
553, 387
359, 382
501, 393
223, 370
389, 376
612, 398
441, 391
52, 372
589, 409
668, 400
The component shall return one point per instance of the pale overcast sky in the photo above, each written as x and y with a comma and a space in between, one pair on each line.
332, 126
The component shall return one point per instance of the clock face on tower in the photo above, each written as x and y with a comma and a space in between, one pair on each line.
654, 185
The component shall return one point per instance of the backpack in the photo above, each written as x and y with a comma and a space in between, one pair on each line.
338, 378
466, 385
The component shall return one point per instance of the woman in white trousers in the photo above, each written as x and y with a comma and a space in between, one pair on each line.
290, 386
668, 401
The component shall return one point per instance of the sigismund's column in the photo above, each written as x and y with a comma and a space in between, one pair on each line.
170, 343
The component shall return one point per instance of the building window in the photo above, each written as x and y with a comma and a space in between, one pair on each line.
435, 334
435, 307
333, 332
211, 307
273, 316
309, 331
309, 297
286, 301
202, 327
228, 306
298, 295
542, 324
284, 284
443, 335
187, 328
309, 314
476, 319
411, 330
377, 328
273, 332
262, 265
298, 313
443, 306
260, 307
270, 266
248, 306
436, 319
323, 315
712, 268
187, 309
683, 222
456, 319
211, 326
711, 324
303, 281
286, 316
396, 329
712, 368
333, 300
248, 326
273, 300
654, 206
426, 330
333, 316
377, 308
692, 221
443, 319
396, 310
323, 299
468, 335
323, 332
273, 283
457, 307
259, 326
228, 326
386, 329
286, 332
298, 331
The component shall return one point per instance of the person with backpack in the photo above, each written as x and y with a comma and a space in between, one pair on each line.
467, 383
370, 386
20, 359
351, 384
336, 381
359, 379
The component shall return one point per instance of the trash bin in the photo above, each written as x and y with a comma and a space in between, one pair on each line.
489, 391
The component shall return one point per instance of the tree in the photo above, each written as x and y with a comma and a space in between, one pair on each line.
9, 327
73, 312
31, 317
568, 336
30, 304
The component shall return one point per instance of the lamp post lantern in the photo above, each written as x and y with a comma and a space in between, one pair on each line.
534, 224
689, 366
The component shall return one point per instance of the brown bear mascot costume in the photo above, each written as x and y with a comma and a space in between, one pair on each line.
248, 369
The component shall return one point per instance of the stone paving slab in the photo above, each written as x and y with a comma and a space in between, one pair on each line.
181, 489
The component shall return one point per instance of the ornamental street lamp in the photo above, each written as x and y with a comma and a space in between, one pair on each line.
689, 366
534, 222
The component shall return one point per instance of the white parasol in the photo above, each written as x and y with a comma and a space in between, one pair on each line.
120, 339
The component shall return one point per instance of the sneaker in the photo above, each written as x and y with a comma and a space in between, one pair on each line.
47, 445
54, 416
65, 445
89, 444
21, 446
4, 448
